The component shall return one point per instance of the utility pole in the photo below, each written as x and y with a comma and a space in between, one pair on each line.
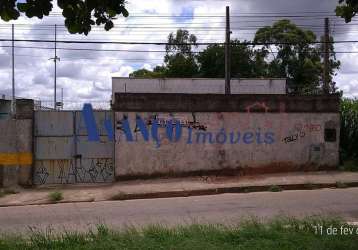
227, 53
13, 98
62, 98
55, 76
326, 79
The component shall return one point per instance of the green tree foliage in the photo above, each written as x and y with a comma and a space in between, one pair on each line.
245, 62
284, 51
349, 129
292, 53
180, 61
347, 9
80, 15
158, 72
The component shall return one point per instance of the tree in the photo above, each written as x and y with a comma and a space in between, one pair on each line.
245, 62
158, 72
180, 61
347, 9
334, 64
295, 55
80, 15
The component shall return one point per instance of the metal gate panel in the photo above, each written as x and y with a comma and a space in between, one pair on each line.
63, 153
55, 172
54, 123
100, 118
94, 160
54, 148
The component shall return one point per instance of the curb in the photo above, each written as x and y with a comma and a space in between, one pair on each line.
202, 192
225, 190
47, 203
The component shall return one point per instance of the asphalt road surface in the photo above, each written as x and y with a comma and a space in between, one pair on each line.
225, 208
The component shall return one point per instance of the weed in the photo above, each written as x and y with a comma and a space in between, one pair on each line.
55, 196
275, 188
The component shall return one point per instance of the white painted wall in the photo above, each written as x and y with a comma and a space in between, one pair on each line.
269, 140
198, 86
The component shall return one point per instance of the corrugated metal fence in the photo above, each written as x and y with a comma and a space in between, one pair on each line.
63, 153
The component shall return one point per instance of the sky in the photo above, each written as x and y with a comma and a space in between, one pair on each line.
85, 75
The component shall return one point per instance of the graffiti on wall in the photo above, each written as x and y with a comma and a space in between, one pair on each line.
95, 170
54, 171
257, 106
184, 123
294, 137
301, 130
174, 131
65, 171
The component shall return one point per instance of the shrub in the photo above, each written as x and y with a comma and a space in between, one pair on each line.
55, 196
349, 130
275, 188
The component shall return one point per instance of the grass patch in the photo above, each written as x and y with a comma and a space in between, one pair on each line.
275, 188
284, 233
7, 192
55, 196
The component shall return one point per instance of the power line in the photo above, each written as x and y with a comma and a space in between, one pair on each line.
93, 58
144, 51
165, 43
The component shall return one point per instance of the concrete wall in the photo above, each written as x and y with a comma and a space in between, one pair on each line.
270, 136
229, 141
63, 153
24, 108
15, 152
198, 86
5, 109
16, 143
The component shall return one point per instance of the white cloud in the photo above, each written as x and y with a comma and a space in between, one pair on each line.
86, 75
124, 71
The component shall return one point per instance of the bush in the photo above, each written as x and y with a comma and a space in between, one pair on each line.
349, 130
55, 196
275, 188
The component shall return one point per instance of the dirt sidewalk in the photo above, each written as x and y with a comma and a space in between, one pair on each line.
180, 187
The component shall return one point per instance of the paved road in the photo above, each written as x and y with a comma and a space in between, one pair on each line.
226, 208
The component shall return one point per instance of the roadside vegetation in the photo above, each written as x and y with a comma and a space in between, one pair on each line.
284, 233
349, 134
275, 188
5, 192
282, 50
55, 196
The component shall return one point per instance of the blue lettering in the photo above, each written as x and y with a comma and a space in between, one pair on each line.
269, 138
142, 128
169, 130
126, 129
155, 134
190, 132
258, 136
204, 136
90, 122
248, 138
